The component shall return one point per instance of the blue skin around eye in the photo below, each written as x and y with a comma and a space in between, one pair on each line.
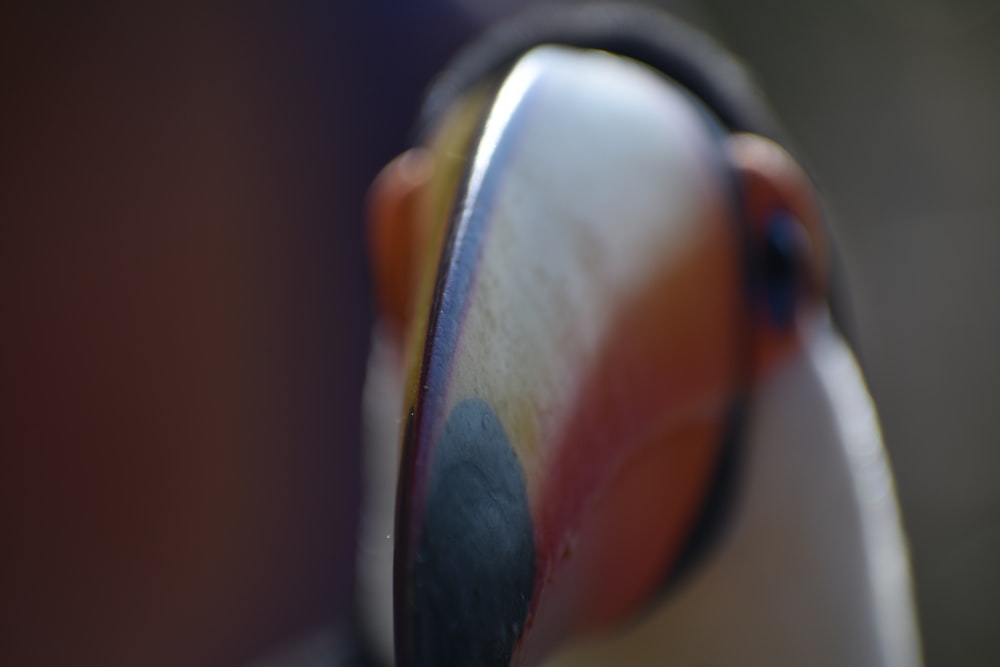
780, 268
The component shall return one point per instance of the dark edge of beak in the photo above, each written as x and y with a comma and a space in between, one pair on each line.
402, 554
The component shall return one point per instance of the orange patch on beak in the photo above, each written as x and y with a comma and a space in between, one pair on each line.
628, 477
661, 484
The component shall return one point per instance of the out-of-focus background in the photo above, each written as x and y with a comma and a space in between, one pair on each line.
184, 303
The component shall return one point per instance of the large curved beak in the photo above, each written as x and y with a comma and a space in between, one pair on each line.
585, 354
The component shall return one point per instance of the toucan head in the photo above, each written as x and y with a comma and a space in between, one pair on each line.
586, 266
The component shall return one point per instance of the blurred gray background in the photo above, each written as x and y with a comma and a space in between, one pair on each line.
186, 310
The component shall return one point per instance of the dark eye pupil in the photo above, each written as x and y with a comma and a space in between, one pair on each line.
780, 266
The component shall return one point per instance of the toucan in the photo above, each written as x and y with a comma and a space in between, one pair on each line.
612, 414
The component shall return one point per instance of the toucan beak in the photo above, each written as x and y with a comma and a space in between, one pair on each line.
584, 365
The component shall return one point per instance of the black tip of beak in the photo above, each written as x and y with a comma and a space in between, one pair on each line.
471, 578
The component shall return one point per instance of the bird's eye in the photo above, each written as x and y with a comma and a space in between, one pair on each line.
783, 238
